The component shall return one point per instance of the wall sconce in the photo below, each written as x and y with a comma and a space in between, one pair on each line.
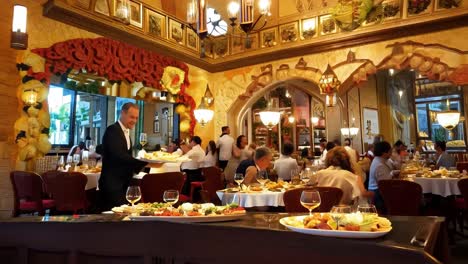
330, 100
208, 96
19, 37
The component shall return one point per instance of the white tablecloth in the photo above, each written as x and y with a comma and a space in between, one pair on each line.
254, 199
93, 179
439, 186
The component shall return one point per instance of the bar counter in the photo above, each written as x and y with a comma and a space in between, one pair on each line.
111, 239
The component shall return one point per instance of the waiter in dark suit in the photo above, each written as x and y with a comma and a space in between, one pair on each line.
118, 165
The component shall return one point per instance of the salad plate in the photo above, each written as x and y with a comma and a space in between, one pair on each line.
295, 223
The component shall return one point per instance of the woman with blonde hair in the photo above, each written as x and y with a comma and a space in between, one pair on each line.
339, 173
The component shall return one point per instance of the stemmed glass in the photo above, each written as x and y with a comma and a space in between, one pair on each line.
310, 200
89, 143
61, 163
262, 177
338, 212
171, 197
143, 139
239, 178
133, 194
69, 161
368, 209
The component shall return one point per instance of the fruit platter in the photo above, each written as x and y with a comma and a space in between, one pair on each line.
353, 225
186, 212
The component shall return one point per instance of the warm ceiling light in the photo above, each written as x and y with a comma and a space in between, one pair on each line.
329, 82
314, 120
203, 115
291, 119
270, 118
19, 37
349, 132
448, 119
208, 97
330, 100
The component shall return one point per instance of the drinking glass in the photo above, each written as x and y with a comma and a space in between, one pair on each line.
61, 163
310, 200
69, 160
133, 194
262, 177
338, 212
171, 197
239, 178
367, 209
143, 139
76, 159
232, 199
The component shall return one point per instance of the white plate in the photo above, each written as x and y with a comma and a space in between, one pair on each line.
332, 233
107, 212
189, 219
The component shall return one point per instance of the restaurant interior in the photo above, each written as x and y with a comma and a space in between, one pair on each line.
282, 73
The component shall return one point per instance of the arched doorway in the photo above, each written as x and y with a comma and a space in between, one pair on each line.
304, 115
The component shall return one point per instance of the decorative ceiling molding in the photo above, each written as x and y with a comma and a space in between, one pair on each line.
396, 28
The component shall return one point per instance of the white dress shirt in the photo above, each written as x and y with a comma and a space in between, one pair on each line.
284, 165
323, 156
339, 178
225, 147
196, 154
209, 160
380, 169
126, 133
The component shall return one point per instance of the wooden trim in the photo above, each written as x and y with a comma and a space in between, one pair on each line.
105, 26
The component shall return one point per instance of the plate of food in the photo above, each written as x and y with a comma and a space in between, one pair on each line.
162, 157
187, 212
354, 225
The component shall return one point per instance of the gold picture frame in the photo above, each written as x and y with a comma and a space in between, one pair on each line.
289, 32
308, 28
85, 4
269, 37
327, 25
176, 31
193, 41
237, 43
103, 7
221, 47
207, 48
155, 24
414, 8
136, 14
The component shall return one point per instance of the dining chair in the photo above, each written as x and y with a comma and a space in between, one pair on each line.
461, 204
48, 178
28, 193
68, 190
329, 197
213, 182
401, 197
153, 186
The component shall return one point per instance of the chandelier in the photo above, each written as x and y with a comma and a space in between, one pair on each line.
448, 119
270, 118
203, 115
349, 132
242, 10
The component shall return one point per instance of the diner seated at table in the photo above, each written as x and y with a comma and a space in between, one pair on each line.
249, 168
192, 168
399, 152
443, 159
174, 147
380, 169
286, 164
339, 173
211, 156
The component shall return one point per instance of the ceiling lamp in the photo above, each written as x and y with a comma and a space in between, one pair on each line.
291, 119
314, 120
330, 100
349, 132
203, 115
208, 96
448, 119
19, 37
329, 82
270, 118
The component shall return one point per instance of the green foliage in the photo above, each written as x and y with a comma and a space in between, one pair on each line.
87, 88
439, 134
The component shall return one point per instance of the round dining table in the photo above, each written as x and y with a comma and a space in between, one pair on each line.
253, 199
443, 186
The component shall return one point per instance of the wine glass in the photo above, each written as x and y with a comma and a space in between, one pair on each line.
232, 199
143, 139
61, 163
338, 212
310, 200
89, 143
239, 178
171, 197
262, 177
368, 209
133, 194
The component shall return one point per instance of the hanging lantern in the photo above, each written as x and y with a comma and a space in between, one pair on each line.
208, 96
330, 99
203, 115
19, 37
329, 82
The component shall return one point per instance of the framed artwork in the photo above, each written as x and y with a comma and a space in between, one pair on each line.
155, 24
327, 25
83, 3
419, 7
176, 31
220, 46
269, 37
192, 39
136, 14
208, 46
156, 125
308, 28
447, 4
237, 43
392, 9
102, 7
370, 119
251, 42
289, 32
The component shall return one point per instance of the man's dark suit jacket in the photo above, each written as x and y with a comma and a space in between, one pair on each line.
118, 167
244, 165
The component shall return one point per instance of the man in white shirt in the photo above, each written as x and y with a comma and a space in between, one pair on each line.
192, 168
285, 164
224, 146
